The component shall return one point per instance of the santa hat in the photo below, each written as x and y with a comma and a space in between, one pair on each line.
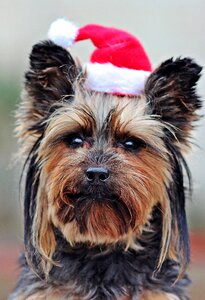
118, 65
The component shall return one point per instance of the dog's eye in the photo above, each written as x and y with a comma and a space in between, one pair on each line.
132, 144
74, 141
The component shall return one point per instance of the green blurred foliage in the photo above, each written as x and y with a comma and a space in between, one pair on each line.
9, 94
10, 208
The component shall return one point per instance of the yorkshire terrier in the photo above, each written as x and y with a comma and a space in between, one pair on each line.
104, 198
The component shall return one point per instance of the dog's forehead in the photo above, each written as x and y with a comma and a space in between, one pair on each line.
99, 113
125, 115
102, 105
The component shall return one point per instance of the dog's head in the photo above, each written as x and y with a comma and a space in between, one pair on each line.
98, 164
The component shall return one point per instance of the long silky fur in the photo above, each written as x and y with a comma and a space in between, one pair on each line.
177, 196
30, 193
108, 271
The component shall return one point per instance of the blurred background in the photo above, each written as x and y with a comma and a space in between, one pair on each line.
166, 28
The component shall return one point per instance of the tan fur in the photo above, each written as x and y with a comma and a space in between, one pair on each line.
140, 182
59, 295
55, 105
26, 116
44, 236
158, 295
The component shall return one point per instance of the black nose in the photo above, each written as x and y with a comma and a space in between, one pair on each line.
97, 174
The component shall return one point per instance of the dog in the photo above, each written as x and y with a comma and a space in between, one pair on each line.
104, 192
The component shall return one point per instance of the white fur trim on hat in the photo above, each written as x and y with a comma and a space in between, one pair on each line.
111, 79
63, 33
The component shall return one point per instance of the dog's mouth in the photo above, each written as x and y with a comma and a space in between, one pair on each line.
98, 196
85, 201
97, 214
86, 205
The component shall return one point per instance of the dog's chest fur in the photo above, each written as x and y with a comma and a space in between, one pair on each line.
96, 273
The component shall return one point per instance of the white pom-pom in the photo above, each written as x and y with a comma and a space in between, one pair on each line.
63, 33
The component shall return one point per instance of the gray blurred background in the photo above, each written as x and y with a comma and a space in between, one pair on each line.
166, 28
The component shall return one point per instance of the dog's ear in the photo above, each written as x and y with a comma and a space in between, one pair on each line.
171, 93
48, 82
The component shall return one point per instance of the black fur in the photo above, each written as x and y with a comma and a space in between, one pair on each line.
177, 197
110, 273
30, 193
48, 83
51, 75
171, 92
106, 272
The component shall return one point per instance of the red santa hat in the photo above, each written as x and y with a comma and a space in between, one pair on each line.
118, 65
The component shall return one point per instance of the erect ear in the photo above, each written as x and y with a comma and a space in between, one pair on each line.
171, 92
48, 82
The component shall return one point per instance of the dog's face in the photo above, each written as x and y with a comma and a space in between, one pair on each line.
98, 164
98, 168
